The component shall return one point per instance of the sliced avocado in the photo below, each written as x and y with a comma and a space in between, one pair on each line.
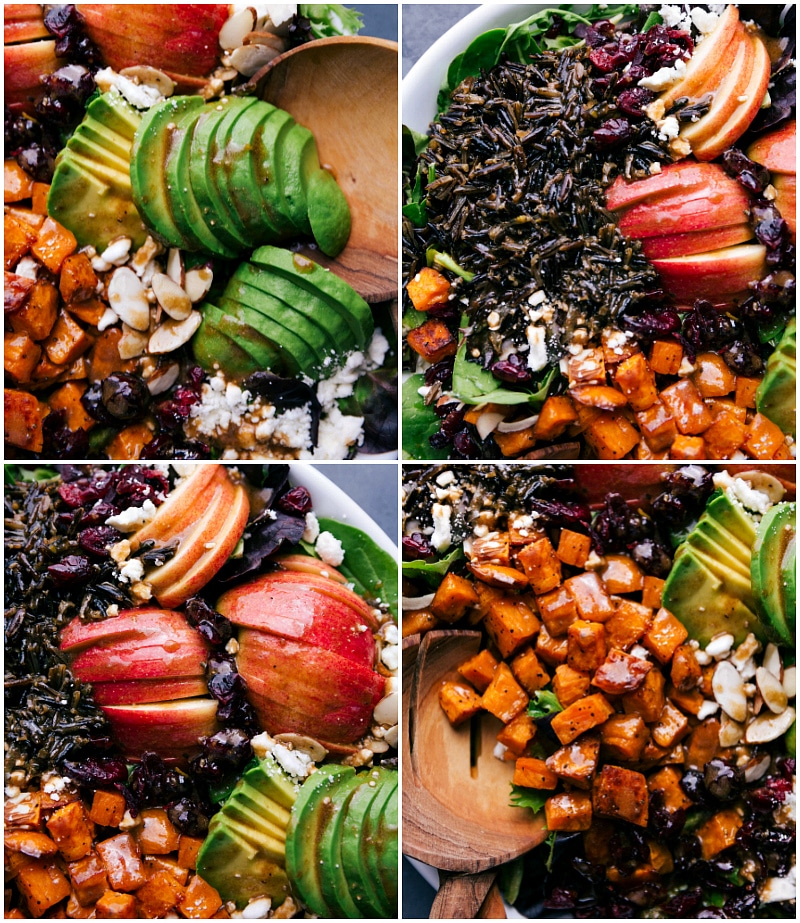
370, 847
299, 161
310, 814
699, 599
185, 211
773, 569
116, 113
214, 350
239, 325
317, 280
733, 580
211, 204
151, 148
701, 541
333, 880
328, 213
267, 143
732, 516
776, 396
93, 140
263, 829
387, 850
722, 537
362, 888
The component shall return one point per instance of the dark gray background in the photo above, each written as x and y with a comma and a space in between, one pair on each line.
423, 23
374, 488
380, 19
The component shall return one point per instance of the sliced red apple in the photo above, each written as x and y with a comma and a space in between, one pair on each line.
174, 656
777, 151
305, 564
171, 729
23, 66
145, 622
702, 66
719, 204
692, 242
749, 102
726, 97
785, 185
144, 691
23, 22
673, 178
718, 276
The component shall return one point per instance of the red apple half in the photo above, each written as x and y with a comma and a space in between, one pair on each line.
777, 151
171, 729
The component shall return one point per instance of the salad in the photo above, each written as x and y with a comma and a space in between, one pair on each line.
169, 234
599, 237
635, 671
201, 702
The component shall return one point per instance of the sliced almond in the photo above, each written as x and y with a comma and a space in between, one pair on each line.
767, 727
175, 266
251, 58
172, 298
386, 710
163, 378
174, 333
305, 744
236, 27
270, 39
772, 660
198, 282
720, 645
151, 77
765, 483
728, 688
391, 737
132, 343
757, 767
128, 298
772, 691
730, 732
790, 681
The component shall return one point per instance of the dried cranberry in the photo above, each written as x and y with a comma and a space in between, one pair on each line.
297, 501
137, 484
653, 324
441, 372
416, 547
633, 101
224, 687
741, 906
693, 786
602, 59
59, 441
744, 358
704, 327
723, 780
512, 370
125, 396
172, 414
189, 817
95, 772
98, 539
770, 228
72, 569
464, 444
683, 905
612, 133
66, 24
561, 899
632, 76
749, 173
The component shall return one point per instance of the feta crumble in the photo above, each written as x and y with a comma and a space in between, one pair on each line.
329, 549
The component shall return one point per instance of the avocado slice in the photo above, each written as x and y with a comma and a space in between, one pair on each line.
185, 211
718, 534
267, 143
701, 541
776, 396
299, 160
214, 350
211, 204
116, 113
363, 889
370, 847
328, 213
732, 516
93, 140
387, 850
773, 569
312, 277
151, 149
265, 354
310, 814
334, 884
733, 580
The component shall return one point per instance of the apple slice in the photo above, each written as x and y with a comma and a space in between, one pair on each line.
142, 623
777, 151
785, 186
174, 656
171, 729
217, 551
692, 242
702, 67
304, 564
749, 103
718, 276
23, 65
673, 178
23, 22
143, 691
719, 204
726, 98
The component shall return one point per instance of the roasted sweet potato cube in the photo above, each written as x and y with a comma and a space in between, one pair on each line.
542, 567
38, 316
67, 340
624, 737
666, 783
603, 397
427, 289
570, 685
72, 831
529, 671
433, 341
746, 391
557, 413
74, 910
725, 435
510, 624
154, 864
156, 834
549, 649
515, 443
201, 901
568, 811
666, 357
517, 734
120, 854
533, 773
725, 407
505, 578
611, 436
89, 312
719, 832
763, 439
664, 635
620, 673
20, 357
573, 548
621, 794
127, 445
712, 375
687, 407
580, 717
23, 420
586, 416
42, 884
645, 453
688, 448
89, 879
104, 358
591, 598
576, 763
658, 426
418, 621
491, 549
17, 185
18, 238
459, 701
690, 701
637, 382
188, 848
115, 906
671, 727
586, 645
557, 610
159, 895
702, 744
30, 843
78, 280
648, 700
621, 574
53, 245
652, 588
628, 624
453, 597
486, 596
108, 808
479, 670
39, 198
68, 399
685, 672
504, 697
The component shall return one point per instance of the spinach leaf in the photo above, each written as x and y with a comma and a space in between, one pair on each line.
14, 473
432, 570
328, 19
511, 875
372, 571
419, 422
543, 704
522, 797
415, 209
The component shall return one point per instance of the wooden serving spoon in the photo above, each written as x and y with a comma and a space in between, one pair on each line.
456, 814
344, 90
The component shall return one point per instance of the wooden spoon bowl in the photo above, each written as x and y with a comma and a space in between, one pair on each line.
344, 90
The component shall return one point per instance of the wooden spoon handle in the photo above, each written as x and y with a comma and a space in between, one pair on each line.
460, 896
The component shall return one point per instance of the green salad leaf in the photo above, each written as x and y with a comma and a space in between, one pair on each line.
432, 570
419, 422
371, 570
511, 875
12, 474
329, 19
533, 798
543, 704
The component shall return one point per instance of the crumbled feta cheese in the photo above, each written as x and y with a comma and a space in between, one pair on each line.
133, 518
445, 478
537, 356
311, 532
329, 549
669, 128
442, 535
132, 570
704, 21
738, 489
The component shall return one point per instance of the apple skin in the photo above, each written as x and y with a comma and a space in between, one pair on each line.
673, 178
182, 39
142, 623
171, 729
721, 276
161, 657
777, 151
668, 245
304, 564
23, 65
144, 691
785, 186
23, 22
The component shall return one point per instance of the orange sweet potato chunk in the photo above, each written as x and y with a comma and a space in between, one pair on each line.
201, 901
624, 737
621, 794
115, 906
690, 412
621, 574
459, 701
428, 289
569, 811
72, 830
479, 670
576, 763
53, 245
591, 598
453, 597
42, 884
557, 413
433, 341
529, 671
504, 697
570, 685
511, 624
664, 635
542, 567
557, 610
123, 863
517, 734
719, 832
534, 773
586, 645
637, 381
580, 717
573, 548
666, 357
156, 835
